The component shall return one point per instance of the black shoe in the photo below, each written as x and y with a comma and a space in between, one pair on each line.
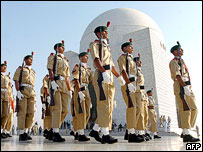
142, 137
45, 133
3, 136
72, 133
134, 138
148, 135
181, 136
156, 137
50, 134
83, 138
28, 136
8, 135
76, 136
96, 136
57, 138
189, 138
22, 137
126, 135
108, 139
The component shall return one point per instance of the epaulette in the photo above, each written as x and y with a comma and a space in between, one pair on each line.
175, 59
20, 67
96, 41
76, 65
123, 54
51, 54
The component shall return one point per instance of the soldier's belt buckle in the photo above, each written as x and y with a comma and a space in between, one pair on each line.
4, 90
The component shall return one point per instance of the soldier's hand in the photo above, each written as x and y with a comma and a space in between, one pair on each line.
54, 85
48, 99
81, 95
187, 90
121, 80
20, 95
132, 88
70, 94
90, 105
106, 77
44, 106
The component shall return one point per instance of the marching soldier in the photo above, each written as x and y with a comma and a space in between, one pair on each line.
183, 92
82, 75
141, 98
152, 115
59, 73
5, 98
128, 71
24, 78
46, 111
103, 84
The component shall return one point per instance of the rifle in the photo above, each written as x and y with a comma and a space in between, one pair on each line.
80, 107
182, 92
100, 77
130, 103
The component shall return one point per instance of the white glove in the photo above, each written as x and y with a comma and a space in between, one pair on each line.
106, 77
81, 95
114, 104
19, 95
54, 85
35, 108
132, 88
121, 80
44, 106
90, 105
187, 90
48, 99
70, 94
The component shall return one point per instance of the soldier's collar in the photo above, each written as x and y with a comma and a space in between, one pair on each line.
3, 73
84, 64
177, 57
29, 67
129, 54
105, 41
62, 55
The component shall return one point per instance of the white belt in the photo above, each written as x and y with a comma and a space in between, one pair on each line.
84, 85
4, 90
185, 79
26, 85
61, 78
132, 75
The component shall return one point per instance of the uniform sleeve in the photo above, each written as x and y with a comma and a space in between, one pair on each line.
91, 76
50, 62
17, 75
175, 68
68, 71
45, 82
121, 64
112, 64
75, 72
94, 50
42, 91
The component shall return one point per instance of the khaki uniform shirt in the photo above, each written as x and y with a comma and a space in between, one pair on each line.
151, 101
5, 84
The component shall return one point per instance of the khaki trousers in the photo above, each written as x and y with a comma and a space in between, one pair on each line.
152, 119
105, 107
60, 109
187, 118
5, 113
145, 115
130, 112
73, 113
10, 121
48, 119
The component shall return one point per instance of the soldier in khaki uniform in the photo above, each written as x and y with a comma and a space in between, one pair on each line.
82, 75
60, 83
152, 114
128, 71
5, 98
45, 98
26, 96
103, 84
183, 92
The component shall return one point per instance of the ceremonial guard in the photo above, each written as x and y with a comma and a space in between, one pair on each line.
127, 69
82, 75
152, 115
46, 108
60, 92
183, 92
5, 99
24, 78
103, 84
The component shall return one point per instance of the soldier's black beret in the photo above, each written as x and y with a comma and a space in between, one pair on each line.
58, 45
27, 56
97, 29
136, 59
125, 45
82, 54
175, 47
149, 91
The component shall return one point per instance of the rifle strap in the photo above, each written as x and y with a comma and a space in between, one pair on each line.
130, 103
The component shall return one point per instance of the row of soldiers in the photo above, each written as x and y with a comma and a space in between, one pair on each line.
57, 89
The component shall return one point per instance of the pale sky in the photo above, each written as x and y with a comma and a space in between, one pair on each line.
37, 26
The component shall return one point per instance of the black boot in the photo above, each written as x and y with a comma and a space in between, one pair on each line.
181, 136
156, 137
134, 138
22, 137
108, 139
3, 136
83, 138
189, 138
28, 136
76, 137
72, 133
8, 135
50, 134
126, 135
45, 133
57, 137
142, 137
148, 135
96, 136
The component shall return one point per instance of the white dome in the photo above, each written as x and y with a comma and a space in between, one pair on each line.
123, 21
